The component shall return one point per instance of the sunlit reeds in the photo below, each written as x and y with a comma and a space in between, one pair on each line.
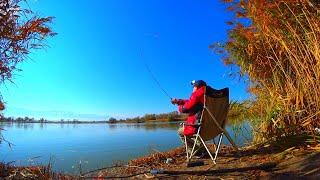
279, 50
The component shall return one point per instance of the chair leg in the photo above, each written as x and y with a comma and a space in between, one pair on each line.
213, 160
230, 140
218, 147
214, 144
186, 144
196, 148
194, 145
193, 152
223, 130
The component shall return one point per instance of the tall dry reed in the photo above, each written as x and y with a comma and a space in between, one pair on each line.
278, 49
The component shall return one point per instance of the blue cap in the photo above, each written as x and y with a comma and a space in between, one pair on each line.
198, 83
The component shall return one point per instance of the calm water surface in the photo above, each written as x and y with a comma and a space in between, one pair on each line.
92, 145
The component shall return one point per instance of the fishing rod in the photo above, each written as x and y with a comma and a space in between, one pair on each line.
155, 79
157, 82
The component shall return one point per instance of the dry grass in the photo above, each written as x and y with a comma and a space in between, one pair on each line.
280, 53
31, 172
157, 158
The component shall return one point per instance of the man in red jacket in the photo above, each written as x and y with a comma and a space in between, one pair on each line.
193, 106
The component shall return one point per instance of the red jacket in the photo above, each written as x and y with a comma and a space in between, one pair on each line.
192, 106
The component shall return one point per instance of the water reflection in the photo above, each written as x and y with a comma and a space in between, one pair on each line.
241, 133
146, 126
97, 144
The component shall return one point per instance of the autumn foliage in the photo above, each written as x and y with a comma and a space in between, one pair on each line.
276, 46
20, 32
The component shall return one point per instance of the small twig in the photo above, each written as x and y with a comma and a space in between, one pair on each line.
32, 158
153, 149
133, 166
92, 171
117, 177
9, 143
265, 166
80, 167
100, 169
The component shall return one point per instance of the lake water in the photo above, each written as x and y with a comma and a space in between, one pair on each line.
92, 145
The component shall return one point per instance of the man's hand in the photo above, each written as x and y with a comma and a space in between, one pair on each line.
174, 101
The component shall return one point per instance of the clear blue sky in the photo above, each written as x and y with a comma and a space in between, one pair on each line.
94, 65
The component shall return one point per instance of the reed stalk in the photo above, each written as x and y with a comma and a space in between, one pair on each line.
280, 53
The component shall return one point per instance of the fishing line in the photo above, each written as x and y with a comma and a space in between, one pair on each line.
154, 78
157, 82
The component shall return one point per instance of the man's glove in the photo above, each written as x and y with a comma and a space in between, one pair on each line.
174, 101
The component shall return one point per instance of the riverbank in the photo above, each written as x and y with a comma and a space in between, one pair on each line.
266, 162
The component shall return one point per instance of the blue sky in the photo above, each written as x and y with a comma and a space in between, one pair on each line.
95, 65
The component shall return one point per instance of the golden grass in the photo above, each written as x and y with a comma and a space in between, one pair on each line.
280, 53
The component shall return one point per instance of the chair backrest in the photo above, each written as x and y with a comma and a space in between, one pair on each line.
217, 103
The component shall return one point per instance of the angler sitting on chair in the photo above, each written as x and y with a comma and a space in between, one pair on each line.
193, 107
207, 109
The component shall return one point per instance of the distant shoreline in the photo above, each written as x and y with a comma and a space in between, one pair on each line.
164, 117
58, 122
92, 122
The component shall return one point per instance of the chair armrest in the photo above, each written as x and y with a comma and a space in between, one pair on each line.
195, 124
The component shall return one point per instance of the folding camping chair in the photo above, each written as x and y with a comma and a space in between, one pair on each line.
212, 122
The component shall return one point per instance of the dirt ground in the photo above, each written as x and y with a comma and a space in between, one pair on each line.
251, 163
266, 162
